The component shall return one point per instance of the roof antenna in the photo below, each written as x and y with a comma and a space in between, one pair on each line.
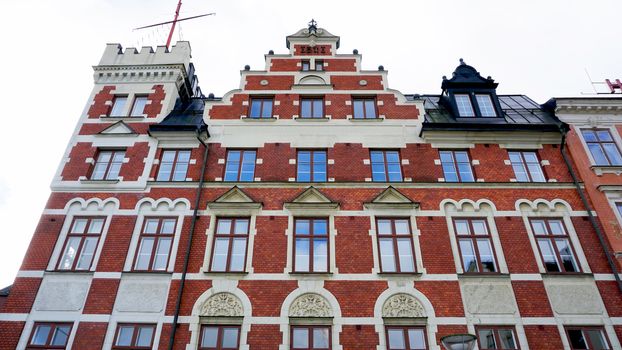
613, 86
174, 21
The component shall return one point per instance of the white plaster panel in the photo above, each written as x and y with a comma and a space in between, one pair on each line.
141, 296
62, 294
574, 298
488, 298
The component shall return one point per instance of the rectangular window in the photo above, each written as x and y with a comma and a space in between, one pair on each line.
584, 338
108, 165
554, 244
310, 245
486, 107
474, 243
305, 65
173, 165
312, 107
406, 338
497, 337
261, 107
311, 166
386, 166
456, 166
118, 106
216, 337
155, 243
395, 245
319, 65
364, 108
310, 337
81, 244
138, 108
602, 147
526, 166
49, 335
240, 165
134, 336
465, 108
230, 242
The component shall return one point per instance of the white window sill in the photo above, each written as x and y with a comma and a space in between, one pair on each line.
301, 119
607, 169
260, 120
98, 182
366, 120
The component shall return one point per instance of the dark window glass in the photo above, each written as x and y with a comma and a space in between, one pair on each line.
310, 245
173, 165
584, 338
312, 108
456, 166
108, 165
364, 108
406, 338
230, 242
134, 336
311, 166
310, 337
385, 166
602, 147
155, 244
554, 245
395, 245
526, 166
475, 245
261, 108
81, 243
240, 165
219, 337
497, 337
49, 335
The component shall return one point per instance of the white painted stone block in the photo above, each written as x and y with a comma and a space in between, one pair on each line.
259, 161
366, 161
331, 161
221, 160
437, 162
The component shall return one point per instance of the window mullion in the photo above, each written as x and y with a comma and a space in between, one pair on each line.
473, 237
74, 263
311, 243
396, 253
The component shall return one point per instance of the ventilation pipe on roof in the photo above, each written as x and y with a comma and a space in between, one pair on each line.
588, 207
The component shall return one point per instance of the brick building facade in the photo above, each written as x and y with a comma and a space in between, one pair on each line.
311, 208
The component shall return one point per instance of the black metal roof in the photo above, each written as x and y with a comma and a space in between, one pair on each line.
4, 292
519, 113
185, 116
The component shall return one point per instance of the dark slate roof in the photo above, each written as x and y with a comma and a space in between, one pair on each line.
519, 113
4, 292
185, 116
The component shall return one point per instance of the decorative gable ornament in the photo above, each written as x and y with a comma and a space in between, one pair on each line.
118, 128
222, 305
234, 198
403, 305
391, 198
311, 198
310, 305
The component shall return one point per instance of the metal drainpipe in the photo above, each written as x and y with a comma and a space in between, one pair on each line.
588, 207
188, 246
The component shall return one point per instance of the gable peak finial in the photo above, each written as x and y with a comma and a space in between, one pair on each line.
312, 26
462, 62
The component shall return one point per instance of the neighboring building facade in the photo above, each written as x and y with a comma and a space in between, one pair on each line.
312, 208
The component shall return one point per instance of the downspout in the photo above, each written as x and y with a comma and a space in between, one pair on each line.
184, 272
588, 207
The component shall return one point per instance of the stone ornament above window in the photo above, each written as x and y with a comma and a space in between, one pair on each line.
402, 305
222, 304
310, 305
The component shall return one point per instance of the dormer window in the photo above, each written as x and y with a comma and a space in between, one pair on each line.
486, 107
463, 102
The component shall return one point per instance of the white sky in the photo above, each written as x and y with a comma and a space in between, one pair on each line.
538, 48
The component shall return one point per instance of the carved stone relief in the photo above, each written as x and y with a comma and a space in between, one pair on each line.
222, 304
402, 305
310, 305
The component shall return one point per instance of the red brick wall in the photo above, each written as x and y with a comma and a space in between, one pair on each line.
22, 296
356, 298
43, 242
267, 296
192, 291
543, 337
270, 246
182, 336
444, 330
532, 299
101, 297
340, 65
435, 245
10, 333
264, 336
137, 154
351, 82
519, 255
279, 82
445, 297
90, 335
307, 50
353, 245
155, 98
612, 296
99, 106
115, 248
358, 337
77, 165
